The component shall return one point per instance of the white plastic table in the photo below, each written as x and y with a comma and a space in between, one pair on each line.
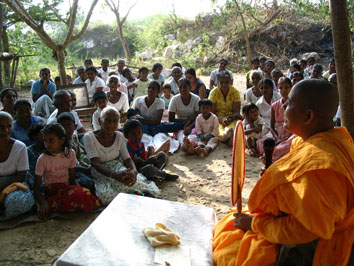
115, 237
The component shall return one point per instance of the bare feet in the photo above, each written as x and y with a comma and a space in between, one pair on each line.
165, 147
188, 146
199, 150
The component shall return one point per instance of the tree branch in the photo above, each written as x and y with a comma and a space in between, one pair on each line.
17, 7
72, 19
84, 27
130, 8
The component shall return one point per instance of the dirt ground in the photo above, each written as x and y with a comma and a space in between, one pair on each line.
203, 181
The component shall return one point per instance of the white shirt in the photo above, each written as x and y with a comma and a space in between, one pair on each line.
265, 109
104, 74
122, 79
53, 118
148, 112
78, 80
122, 105
184, 111
96, 124
95, 149
17, 160
91, 86
214, 76
174, 85
207, 127
250, 97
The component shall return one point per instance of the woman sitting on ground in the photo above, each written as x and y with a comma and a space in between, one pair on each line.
111, 164
24, 121
226, 105
16, 197
8, 98
150, 110
198, 87
184, 108
93, 82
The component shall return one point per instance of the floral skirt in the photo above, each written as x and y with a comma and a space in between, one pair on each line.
108, 188
70, 198
17, 202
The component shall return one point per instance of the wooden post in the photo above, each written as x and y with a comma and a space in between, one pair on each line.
343, 59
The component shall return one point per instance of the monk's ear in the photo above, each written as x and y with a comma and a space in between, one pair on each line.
310, 116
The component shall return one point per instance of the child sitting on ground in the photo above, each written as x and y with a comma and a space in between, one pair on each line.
82, 169
166, 97
207, 127
101, 102
56, 167
254, 127
150, 166
281, 136
142, 82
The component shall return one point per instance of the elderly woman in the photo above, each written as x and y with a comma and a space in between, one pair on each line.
93, 82
150, 110
254, 93
8, 98
176, 74
24, 121
184, 107
226, 105
111, 164
15, 198
197, 86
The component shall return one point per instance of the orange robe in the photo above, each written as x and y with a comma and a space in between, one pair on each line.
306, 195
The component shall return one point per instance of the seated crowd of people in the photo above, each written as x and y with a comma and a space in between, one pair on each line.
51, 159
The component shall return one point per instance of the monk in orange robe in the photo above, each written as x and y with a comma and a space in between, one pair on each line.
301, 211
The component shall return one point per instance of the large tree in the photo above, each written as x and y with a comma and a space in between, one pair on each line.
37, 24
343, 57
114, 5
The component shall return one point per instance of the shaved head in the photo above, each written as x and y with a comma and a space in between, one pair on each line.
318, 95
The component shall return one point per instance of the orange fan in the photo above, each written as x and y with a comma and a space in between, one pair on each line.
238, 166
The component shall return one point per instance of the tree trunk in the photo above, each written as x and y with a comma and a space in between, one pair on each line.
343, 60
248, 44
61, 65
124, 42
6, 48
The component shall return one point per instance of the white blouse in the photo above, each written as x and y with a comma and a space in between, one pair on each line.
17, 160
95, 149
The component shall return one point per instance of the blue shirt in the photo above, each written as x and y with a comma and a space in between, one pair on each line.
38, 85
20, 133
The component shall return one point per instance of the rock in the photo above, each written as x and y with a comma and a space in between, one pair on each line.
168, 52
51, 252
306, 56
197, 41
170, 37
147, 54
188, 44
220, 42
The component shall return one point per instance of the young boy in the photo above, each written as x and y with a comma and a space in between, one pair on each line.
42, 92
276, 75
207, 127
82, 170
253, 125
167, 94
101, 101
152, 166
62, 101
104, 70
